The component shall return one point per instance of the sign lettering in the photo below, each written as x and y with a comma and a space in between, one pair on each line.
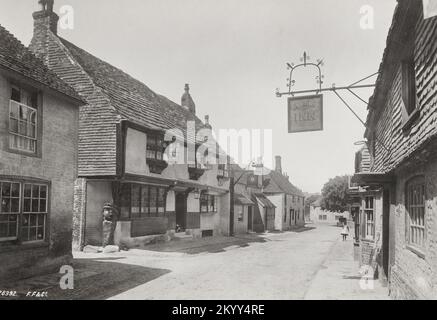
305, 113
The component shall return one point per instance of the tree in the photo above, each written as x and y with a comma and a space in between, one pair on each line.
311, 198
334, 194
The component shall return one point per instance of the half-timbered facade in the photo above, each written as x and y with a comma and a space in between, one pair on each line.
137, 149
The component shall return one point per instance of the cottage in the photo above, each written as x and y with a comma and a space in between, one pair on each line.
38, 157
399, 197
288, 199
137, 150
253, 211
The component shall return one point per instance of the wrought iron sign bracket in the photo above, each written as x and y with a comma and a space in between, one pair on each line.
356, 85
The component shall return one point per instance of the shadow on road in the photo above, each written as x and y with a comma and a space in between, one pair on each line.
206, 245
95, 279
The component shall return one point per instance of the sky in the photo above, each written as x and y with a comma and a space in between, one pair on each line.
233, 53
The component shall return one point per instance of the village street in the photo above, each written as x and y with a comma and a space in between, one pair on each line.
311, 263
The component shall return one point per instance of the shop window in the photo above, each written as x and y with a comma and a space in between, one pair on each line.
369, 217
208, 203
415, 203
23, 120
23, 205
139, 201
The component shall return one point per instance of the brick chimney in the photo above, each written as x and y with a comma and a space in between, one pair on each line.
45, 21
186, 100
278, 167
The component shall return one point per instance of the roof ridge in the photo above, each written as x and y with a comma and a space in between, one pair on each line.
156, 95
37, 70
75, 62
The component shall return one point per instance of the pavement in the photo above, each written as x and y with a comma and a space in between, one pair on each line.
311, 263
339, 278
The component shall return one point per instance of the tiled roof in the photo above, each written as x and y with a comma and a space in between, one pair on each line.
240, 199
266, 203
16, 57
280, 184
132, 99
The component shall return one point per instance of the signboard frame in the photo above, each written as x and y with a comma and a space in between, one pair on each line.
309, 97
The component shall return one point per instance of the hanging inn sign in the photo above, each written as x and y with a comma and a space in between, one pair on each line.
305, 113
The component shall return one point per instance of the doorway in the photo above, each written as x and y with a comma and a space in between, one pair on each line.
181, 210
249, 219
386, 232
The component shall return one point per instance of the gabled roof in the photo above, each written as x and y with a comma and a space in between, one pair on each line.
14, 56
280, 184
132, 99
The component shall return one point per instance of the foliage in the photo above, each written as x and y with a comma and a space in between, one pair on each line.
334, 194
310, 199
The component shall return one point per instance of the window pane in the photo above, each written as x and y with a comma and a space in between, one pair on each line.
27, 190
32, 234
40, 220
35, 205
33, 220
125, 201
26, 205
135, 201
15, 190
15, 205
161, 200
40, 233
43, 192
26, 219
42, 206
6, 189
35, 191
145, 200
5, 207
153, 200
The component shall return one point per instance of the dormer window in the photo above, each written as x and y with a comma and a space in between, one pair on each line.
155, 147
155, 153
23, 120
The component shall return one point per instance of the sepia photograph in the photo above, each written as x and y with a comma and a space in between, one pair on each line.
218, 155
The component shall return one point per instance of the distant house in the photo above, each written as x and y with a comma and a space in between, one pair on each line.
126, 131
253, 211
38, 163
288, 199
319, 215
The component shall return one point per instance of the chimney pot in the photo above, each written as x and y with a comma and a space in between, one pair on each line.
45, 19
278, 164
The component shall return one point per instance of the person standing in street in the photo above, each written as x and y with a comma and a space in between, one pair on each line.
345, 231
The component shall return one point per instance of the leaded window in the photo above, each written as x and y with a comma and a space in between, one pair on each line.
415, 203
23, 205
23, 120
